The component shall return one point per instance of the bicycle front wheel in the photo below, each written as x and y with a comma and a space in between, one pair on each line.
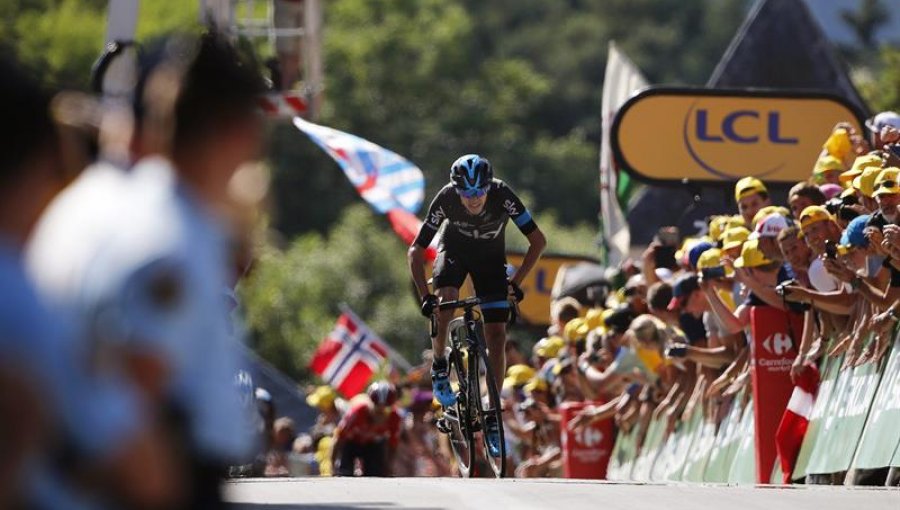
458, 418
487, 407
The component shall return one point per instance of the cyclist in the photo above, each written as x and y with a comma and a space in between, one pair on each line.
370, 432
476, 208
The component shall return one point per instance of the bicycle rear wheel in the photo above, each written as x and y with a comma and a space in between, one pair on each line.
458, 417
481, 375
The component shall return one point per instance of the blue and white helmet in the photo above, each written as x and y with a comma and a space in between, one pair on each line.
471, 172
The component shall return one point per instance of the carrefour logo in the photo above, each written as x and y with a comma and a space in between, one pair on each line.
588, 436
778, 344
667, 134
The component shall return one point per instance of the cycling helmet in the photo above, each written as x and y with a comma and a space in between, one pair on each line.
382, 393
471, 173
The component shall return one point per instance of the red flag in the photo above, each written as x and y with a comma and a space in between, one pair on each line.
406, 225
792, 429
349, 355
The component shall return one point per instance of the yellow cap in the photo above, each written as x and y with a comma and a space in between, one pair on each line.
865, 182
717, 227
710, 258
886, 183
861, 163
549, 347
751, 255
734, 237
735, 221
813, 214
747, 186
828, 164
517, 375
838, 144
535, 384
576, 330
594, 318
322, 397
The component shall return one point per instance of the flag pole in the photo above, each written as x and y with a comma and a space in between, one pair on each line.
395, 356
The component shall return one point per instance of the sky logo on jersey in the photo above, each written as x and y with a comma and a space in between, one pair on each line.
384, 179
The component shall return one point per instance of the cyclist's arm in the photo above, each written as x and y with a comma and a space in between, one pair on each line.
416, 258
536, 244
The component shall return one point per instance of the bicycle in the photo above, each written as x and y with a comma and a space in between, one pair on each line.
469, 370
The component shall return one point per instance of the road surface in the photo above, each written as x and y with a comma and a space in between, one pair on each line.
520, 494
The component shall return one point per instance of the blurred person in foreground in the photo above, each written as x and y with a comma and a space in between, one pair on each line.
75, 435
149, 284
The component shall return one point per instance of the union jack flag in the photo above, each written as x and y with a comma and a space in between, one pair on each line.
384, 179
349, 355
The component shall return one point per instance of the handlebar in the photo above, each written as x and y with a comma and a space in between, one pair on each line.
472, 302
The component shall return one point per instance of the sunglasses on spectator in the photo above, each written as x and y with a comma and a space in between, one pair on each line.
472, 193
887, 184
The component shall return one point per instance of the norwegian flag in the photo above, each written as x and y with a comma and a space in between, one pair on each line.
795, 421
385, 180
349, 355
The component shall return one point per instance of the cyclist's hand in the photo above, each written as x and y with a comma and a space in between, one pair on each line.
429, 303
515, 291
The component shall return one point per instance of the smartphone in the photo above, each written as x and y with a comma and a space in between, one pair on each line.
668, 236
664, 256
830, 249
673, 351
713, 273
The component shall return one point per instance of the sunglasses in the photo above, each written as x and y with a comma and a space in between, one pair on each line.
472, 193
887, 184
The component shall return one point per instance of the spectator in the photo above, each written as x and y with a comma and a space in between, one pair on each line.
368, 433
803, 195
751, 195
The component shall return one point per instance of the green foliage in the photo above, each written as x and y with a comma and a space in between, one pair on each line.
292, 298
881, 90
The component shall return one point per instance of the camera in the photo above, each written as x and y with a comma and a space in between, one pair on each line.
840, 207
830, 249
713, 273
664, 254
781, 290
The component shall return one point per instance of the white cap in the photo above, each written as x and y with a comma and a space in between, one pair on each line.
770, 226
883, 119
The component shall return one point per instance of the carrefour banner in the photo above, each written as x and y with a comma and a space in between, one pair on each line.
665, 135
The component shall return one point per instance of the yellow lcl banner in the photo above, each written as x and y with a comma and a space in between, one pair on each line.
667, 134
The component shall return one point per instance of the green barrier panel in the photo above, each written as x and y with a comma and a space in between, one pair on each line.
671, 455
743, 468
777, 476
623, 456
685, 435
698, 455
820, 460
650, 450
725, 445
846, 415
664, 459
883, 425
829, 369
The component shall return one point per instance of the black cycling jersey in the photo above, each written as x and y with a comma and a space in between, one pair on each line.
485, 230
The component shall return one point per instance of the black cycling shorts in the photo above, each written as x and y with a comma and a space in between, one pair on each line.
488, 271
